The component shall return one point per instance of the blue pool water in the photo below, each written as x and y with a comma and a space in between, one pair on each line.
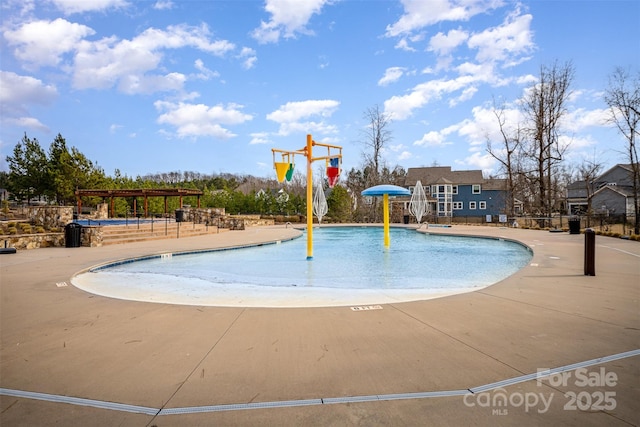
345, 259
117, 221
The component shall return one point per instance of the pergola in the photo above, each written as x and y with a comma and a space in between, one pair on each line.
138, 192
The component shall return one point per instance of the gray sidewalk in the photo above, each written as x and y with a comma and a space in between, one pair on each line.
416, 363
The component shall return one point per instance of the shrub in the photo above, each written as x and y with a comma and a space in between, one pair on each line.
12, 230
40, 229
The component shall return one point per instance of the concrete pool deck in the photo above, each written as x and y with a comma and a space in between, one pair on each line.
72, 358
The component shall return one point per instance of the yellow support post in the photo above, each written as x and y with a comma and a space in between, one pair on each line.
385, 210
307, 151
309, 154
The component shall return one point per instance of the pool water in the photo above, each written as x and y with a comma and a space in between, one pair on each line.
345, 259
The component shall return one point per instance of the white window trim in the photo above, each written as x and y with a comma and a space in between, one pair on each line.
482, 205
472, 205
473, 189
457, 206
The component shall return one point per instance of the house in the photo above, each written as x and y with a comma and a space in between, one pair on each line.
459, 193
610, 193
578, 193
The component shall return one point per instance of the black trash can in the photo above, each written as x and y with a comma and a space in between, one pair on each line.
574, 226
73, 235
179, 215
406, 219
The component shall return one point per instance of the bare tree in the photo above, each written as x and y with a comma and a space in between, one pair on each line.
587, 172
545, 106
508, 154
376, 136
623, 98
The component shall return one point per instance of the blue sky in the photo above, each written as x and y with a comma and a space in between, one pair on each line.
211, 86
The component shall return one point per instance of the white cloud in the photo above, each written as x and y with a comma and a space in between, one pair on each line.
419, 13
443, 44
294, 111
17, 90
436, 138
404, 45
205, 73
405, 155
25, 123
145, 84
259, 138
578, 120
195, 120
484, 125
391, 75
248, 56
497, 47
401, 107
17, 94
163, 5
294, 117
103, 63
42, 43
478, 160
78, 6
114, 128
505, 43
288, 17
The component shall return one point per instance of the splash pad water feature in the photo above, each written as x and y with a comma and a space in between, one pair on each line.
352, 268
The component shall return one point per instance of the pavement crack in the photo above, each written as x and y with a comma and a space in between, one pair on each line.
199, 363
551, 309
457, 339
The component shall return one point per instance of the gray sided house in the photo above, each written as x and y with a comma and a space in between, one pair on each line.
610, 193
459, 193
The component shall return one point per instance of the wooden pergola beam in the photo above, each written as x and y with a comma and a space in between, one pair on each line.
138, 192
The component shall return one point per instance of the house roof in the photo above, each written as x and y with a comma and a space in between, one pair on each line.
494, 184
623, 191
444, 175
577, 185
432, 175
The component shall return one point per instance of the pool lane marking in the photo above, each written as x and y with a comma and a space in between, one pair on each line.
312, 402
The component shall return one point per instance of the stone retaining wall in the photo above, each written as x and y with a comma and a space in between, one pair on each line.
203, 215
91, 236
49, 216
33, 241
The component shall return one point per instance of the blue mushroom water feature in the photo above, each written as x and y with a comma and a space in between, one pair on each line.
385, 191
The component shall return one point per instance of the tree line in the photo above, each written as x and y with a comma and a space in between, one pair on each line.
530, 154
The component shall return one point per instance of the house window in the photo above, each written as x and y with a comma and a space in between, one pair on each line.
457, 206
472, 205
455, 189
483, 205
411, 188
475, 189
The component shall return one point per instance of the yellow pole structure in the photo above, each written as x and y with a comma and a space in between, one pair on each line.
309, 154
385, 210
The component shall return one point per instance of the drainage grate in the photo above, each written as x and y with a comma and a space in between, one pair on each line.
549, 372
423, 395
78, 401
310, 402
240, 406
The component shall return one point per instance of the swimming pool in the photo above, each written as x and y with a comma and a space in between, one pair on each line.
133, 221
350, 266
